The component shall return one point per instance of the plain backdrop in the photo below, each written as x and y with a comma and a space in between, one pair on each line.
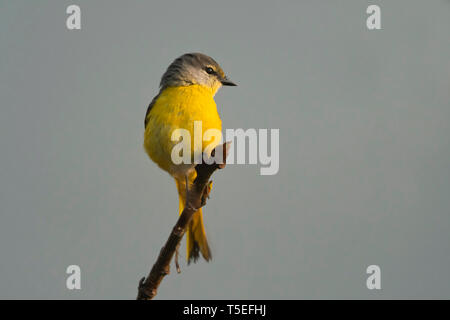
364, 119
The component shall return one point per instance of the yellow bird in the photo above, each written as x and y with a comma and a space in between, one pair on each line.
186, 95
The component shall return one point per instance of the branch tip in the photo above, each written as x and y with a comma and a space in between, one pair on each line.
196, 198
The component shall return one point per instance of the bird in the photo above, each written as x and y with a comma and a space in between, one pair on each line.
187, 90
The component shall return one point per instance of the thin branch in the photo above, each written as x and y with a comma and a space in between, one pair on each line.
196, 198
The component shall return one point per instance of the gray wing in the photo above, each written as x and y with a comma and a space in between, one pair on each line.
150, 106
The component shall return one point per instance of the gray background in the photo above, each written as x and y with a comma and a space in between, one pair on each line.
364, 125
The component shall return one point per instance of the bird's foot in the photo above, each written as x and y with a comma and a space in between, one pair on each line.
206, 193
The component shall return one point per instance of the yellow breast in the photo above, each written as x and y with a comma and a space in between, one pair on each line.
178, 107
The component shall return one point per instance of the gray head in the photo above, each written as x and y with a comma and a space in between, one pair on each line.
195, 68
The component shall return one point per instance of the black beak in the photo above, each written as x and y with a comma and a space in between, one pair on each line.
226, 82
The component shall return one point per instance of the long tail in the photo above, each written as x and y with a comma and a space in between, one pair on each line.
196, 241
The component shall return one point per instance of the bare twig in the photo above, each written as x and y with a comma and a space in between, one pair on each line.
177, 265
196, 198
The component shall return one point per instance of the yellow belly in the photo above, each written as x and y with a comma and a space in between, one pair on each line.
178, 107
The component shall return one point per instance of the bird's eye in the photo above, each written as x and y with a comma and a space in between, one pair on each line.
209, 70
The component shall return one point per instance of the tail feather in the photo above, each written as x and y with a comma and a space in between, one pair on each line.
196, 241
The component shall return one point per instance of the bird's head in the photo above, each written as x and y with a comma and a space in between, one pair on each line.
195, 68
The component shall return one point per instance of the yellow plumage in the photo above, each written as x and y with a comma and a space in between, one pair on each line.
178, 107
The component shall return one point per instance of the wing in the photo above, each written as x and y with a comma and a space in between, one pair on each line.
150, 106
